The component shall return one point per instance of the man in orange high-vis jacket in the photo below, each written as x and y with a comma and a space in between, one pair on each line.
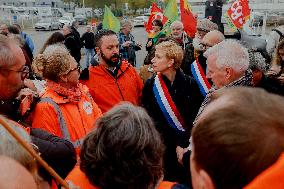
271, 178
64, 118
113, 80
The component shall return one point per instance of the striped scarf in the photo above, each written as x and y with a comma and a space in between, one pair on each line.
245, 80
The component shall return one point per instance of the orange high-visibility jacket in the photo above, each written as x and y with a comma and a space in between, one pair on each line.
79, 178
66, 119
271, 178
108, 91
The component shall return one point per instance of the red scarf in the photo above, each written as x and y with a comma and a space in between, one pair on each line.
73, 94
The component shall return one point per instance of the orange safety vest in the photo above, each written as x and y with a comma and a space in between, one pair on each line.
79, 178
108, 91
71, 121
271, 178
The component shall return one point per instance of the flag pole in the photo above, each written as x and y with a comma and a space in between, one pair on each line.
33, 153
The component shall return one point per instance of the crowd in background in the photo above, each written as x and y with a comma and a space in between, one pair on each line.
203, 112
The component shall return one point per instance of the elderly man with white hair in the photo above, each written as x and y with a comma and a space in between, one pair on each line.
228, 66
177, 32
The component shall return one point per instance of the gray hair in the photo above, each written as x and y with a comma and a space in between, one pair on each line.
257, 61
7, 57
230, 53
125, 23
10, 147
176, 24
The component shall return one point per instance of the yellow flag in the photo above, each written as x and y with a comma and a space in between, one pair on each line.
110, 21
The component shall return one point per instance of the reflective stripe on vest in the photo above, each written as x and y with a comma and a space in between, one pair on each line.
62, 123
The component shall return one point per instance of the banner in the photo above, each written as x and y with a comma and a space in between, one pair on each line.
238, 14
171, 13
110, 21
156, 13
187, 18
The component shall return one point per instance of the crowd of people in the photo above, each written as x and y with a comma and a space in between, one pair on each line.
203, 112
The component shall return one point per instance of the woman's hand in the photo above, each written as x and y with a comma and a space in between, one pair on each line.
180, 152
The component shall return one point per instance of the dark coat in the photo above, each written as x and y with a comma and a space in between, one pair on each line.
271, 85
189, 58
73, 46
187, 98
88, 40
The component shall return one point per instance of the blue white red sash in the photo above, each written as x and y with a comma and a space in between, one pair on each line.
167, 105
200, 77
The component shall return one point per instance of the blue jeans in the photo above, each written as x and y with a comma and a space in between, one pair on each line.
89, 53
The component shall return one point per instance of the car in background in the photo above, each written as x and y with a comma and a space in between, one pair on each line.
140, 20
81, 19
66, 20
47, 24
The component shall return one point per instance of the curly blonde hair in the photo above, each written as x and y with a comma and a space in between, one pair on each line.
276, 58
52, 63
173, 51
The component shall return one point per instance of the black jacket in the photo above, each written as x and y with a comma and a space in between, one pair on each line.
187, 98
88, 40
271, 85
74, 46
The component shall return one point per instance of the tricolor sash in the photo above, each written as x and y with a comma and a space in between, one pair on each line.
200, 77
166, 104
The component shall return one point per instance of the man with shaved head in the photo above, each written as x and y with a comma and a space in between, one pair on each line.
14, 175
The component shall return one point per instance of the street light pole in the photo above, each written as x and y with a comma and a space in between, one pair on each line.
83, 3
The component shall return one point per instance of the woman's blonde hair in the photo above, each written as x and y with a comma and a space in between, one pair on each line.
52, 63
173, 51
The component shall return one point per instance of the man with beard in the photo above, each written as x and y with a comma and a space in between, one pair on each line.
113, 80
194, 50
179, 35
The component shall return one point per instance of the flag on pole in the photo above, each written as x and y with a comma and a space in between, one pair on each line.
187, 18
110, 21
238, 14
156, 13
171, 13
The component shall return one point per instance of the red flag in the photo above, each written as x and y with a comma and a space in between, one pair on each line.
156, 13
188, 19
239, 12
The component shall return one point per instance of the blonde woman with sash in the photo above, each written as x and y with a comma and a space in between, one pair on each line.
172, 99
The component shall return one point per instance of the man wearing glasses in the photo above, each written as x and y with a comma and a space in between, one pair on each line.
13, 72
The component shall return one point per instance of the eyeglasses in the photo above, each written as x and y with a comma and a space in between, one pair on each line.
24, 72
205, 46
78, 67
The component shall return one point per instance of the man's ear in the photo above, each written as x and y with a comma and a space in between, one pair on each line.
205, 180
229, 72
